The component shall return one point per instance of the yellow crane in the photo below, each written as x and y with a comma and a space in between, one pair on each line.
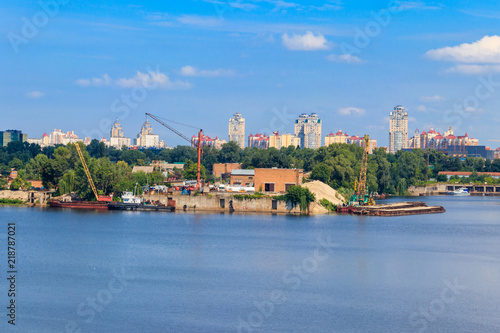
89, 176
361, 196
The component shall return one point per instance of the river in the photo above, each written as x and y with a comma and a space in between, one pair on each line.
177, 272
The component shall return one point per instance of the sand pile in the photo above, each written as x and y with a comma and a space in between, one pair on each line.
324, 191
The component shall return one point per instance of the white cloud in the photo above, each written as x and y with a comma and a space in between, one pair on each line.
485, 50
421, 108
347, 58
307, 42
430, 99
151, 79
203, 21
474, 69
35, 94
194, 72
351, 111
243, 6
409, 5
105, 80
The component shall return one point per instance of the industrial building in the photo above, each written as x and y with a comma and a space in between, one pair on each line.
224, 169
277, 180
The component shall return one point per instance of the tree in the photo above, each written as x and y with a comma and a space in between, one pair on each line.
191, 171
131, 156
16, 184
16, 163
230, 153
50, 172
322, 172
298, 195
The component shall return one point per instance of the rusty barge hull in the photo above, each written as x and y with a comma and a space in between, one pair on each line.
79, 204
396, 209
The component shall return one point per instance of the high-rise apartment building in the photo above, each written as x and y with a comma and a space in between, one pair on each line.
117, 139
308, 129
237, 129
398, 131
146, 137
258, 141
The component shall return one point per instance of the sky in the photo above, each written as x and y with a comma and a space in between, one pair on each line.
78, 66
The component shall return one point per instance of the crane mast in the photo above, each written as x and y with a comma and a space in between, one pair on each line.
87, 172
364, 166
198, 184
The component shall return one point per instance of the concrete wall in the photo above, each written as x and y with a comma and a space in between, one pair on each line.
26, 196
443, 188
212, 203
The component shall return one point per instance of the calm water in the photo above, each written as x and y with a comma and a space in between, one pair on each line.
160, 272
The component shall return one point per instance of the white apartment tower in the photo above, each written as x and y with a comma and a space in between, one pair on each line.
146, 137
308, 129
116, 138
237, 129
398, 131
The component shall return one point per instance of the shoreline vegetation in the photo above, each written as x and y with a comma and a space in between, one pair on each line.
337, 165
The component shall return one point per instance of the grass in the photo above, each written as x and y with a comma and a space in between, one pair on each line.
11, 202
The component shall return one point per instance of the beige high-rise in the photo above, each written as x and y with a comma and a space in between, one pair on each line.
398, 131
308, 129
237, 129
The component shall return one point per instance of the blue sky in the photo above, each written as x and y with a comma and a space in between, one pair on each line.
198, 62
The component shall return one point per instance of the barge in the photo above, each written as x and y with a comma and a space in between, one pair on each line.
79, 204
396, 209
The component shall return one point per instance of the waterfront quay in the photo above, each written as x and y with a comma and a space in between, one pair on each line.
442, 189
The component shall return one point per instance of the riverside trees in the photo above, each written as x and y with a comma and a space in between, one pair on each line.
337, 165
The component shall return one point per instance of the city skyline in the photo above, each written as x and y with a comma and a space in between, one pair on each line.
272, 68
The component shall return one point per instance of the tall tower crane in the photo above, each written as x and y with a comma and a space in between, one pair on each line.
198, 184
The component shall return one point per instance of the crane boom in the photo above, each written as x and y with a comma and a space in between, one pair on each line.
87, 172
198, 184
169, 127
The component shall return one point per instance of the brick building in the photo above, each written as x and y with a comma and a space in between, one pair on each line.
277, 180
225, 169
242, 177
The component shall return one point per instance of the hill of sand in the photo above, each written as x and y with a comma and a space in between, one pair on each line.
324, 191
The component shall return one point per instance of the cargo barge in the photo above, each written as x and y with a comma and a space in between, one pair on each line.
396, 209
78, 204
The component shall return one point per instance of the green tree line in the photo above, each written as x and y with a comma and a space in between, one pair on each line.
337, 165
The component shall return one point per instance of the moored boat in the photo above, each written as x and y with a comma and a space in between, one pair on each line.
460, 192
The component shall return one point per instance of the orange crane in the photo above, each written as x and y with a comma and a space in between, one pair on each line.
198, 184
89, 176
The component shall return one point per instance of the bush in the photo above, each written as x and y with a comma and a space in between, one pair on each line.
11, 201
328, 205
241, 197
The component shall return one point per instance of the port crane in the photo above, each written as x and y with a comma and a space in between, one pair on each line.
89, 176
198, 184
361, 196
